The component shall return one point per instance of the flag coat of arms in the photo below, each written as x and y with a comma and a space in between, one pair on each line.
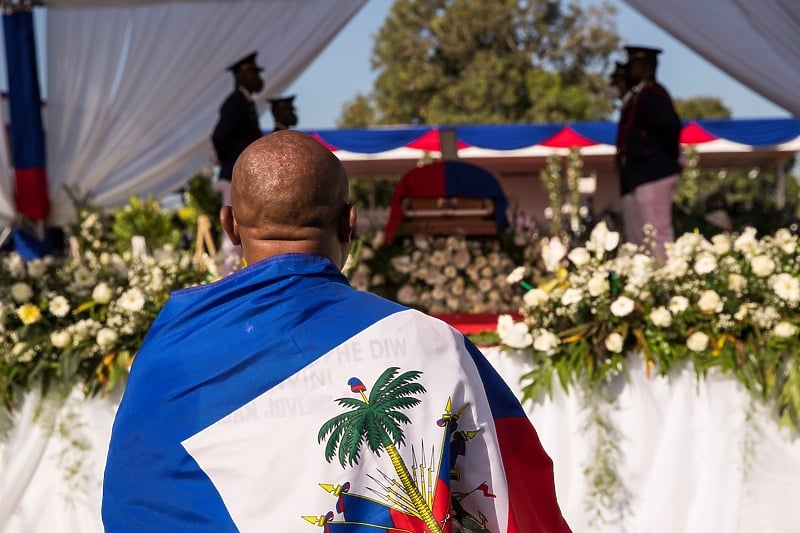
281, 399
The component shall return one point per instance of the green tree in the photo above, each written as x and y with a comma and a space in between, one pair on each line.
467, 61
375, 421
699, 107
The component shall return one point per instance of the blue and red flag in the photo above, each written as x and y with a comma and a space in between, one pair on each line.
26, 133
281, 399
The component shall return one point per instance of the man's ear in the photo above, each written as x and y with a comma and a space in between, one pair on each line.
229, 224
347, 223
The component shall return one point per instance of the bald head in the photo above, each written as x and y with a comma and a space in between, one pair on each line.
289, 194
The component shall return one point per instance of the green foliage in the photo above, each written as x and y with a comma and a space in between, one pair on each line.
144, 218
458, 61
699, 107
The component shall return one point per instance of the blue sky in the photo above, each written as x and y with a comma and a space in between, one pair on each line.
343, 69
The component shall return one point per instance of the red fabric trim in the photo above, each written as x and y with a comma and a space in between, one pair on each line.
431, 142
693, 133
31, 195
324, 143
533, 507
468, 323
567, 138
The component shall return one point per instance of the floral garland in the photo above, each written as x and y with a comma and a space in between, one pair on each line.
731, 302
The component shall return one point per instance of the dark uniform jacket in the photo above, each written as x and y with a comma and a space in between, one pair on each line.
648, 137
236, 128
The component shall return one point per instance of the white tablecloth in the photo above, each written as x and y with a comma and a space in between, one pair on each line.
682, 461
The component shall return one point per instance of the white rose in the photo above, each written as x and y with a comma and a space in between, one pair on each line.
705, 263
786, 287
517, 336
597, 285
762, 266
571, 296
535, 297
678, 304
614, 342
545, 341
21, 292
59, 306
579, 256
60, 339
710, 302
697, 341
661, 317
721, 243
622, 306
102, 293
106, 337
516, 275
737, 283
504, 325
676, 267
784, 329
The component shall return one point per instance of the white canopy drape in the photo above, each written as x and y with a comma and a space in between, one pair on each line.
134, 90
756, 43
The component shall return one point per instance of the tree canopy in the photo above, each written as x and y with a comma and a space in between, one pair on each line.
463, 61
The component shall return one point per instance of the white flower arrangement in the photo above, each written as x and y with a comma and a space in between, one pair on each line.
731, 302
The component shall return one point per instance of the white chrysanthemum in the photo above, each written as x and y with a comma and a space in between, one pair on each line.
60, 339
579, 256
614, 342
401, 263
102, 293
709, 302
784, 329
406, 295
737, 283
461, 259
705, 263
15, 265
421, 242
450, 271
59, 306
676, 267
106, 337
83, 277
535, 297
378, 239
697, 341
766, 317
597, 285
661, 317
377, 280
622, 306
762, 266
36, 268
545, 341
786, 241
721, 244
438, 259
457, 288
131, 300
438, 293
516, 275
746, 243
786, 286
678, 304
571, 296
21, 292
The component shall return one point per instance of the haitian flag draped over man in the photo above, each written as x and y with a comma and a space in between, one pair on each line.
282, 399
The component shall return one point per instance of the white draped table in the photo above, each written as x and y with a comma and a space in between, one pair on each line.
683, 461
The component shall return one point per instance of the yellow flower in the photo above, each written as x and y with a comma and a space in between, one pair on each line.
29, 314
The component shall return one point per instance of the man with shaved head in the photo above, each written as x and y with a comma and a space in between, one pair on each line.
281, 399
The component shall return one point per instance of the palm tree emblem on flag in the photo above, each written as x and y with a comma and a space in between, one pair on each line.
375, 420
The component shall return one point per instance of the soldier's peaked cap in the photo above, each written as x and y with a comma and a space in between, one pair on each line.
641, 52
248, 62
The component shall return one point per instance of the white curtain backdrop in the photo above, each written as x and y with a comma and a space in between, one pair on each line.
755, 42
7, 208
134, 91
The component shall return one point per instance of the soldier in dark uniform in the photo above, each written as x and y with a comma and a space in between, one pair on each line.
648, 151
236, 128
283, 113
